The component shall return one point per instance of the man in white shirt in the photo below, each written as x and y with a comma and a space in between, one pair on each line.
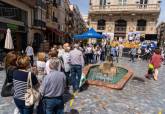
60, 51
89, 54
29, 52
77, 62
121, 50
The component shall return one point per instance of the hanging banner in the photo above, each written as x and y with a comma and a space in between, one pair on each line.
108, 35
134, 36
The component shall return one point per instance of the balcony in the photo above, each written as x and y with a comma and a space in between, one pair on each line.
39, 23
55, 19
41, 4
125, 8
141, 28
29, 2
120, 29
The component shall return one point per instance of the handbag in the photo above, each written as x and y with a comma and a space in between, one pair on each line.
31, 95
7, 89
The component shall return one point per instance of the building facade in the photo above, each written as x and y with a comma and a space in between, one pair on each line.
120, 17
161, 34
16, 15
38, 21
78, 24
85, 18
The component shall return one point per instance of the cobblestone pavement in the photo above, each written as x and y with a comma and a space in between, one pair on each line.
139, 96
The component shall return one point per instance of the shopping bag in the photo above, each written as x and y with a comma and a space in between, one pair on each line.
82, 80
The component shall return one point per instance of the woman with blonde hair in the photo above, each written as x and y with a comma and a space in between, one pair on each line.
20, 77
10, 67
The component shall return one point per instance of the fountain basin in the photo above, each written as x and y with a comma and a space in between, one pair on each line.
95, 77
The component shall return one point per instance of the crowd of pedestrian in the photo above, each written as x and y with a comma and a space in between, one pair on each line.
49, 78
52, 74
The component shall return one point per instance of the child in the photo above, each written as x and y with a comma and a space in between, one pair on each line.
156, 60
150, 73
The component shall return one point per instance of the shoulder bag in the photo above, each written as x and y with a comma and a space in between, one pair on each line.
31, 95
7, 88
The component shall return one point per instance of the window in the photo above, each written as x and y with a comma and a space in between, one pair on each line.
12, 12
58, 2
141, 25
122, 2
120, 25
143, 1
102, 2
90, 3
101, 24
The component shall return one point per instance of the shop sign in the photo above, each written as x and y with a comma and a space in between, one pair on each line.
12, 26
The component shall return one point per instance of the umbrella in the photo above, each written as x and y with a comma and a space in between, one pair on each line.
8, 40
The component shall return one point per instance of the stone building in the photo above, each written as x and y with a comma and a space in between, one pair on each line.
161, 34
16, 15
120, 17
85, 18
78, 24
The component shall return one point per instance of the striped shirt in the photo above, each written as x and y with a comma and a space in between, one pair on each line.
20, 83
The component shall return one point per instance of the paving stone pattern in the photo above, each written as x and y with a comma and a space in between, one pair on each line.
139, 96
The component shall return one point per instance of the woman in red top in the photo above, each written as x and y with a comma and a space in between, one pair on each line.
156, 60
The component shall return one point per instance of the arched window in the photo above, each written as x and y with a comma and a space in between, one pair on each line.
120, 25
141, 25
101, 24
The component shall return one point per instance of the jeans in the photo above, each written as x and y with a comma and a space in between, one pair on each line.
53, 105
76, 71
132, 58
67, 74
40, 108
22, 108
31, 60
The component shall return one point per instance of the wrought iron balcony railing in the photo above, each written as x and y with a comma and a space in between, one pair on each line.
128, 7
55, 19
141, 28
39, 23
120, 29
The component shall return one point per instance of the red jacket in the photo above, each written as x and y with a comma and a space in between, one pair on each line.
156, 60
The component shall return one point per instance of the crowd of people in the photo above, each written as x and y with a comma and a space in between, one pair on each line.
50, 78
53, 75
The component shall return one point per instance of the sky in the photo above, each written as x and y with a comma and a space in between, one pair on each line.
84, 5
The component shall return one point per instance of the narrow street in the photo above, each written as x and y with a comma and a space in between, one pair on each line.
139, 96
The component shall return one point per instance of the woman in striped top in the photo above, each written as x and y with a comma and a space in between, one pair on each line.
20, 84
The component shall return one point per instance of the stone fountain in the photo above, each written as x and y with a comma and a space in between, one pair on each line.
107, 75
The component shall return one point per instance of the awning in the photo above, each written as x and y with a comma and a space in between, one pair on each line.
59, 33
91, 33
3, 31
